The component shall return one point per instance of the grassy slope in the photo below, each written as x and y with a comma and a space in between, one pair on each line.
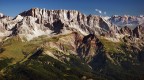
112, 47
125, 68
47, 68
73, 70
14, 47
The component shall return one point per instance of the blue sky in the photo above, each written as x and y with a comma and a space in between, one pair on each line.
98, 7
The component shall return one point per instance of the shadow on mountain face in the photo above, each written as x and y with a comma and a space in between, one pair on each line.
57, 26
36, 54
84, 47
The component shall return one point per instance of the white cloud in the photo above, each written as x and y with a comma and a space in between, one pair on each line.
100, 12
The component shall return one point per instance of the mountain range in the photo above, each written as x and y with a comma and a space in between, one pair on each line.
40, 44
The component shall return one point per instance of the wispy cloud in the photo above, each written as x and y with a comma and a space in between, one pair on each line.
101, 12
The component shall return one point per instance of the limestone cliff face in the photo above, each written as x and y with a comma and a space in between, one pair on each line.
36, 22
5, 26
68, 20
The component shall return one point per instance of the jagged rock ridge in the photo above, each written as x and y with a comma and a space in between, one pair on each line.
127, 20
36, 22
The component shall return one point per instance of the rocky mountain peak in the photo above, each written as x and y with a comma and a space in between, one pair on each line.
35, 12
51, 15
138, 31
63, 21
126, 30
36, 22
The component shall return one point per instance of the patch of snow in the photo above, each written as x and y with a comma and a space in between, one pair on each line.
106, 18
19, 18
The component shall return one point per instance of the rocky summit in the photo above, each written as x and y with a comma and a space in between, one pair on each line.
40, 44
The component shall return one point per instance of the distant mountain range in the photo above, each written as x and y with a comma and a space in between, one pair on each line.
131, 21
41, 44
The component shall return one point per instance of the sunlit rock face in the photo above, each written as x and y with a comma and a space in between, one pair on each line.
36, 22
63, 21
